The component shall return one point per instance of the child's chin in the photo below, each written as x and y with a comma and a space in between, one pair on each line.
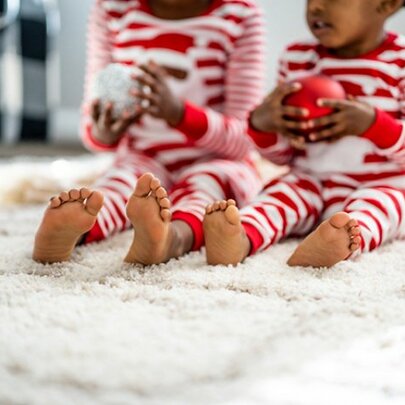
329, 42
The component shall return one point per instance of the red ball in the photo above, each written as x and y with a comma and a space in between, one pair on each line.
312, 89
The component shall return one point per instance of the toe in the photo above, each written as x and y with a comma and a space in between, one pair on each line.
165, 214
74, 194
165, 203
355, 243
64, 196
85, 193
351, 224
223, 204
55, 202
339, 220
208, 209
161, 192
232, 215
231, 202
155, 184
94, 203
143, 185
215, 206
354, 231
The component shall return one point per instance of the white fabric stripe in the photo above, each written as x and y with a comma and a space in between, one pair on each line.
367, 236
301, 56
119, 187
105, 215
268, 201
332, 209
114, 223
390, 222
119, 200
171, 156
373, 233
192, 24
118, 224
390, 56
102, 224
298, 221
119, 6
203, 181
123, 175
251, 216
369, 84
332, 192
289, 192
391, 70
383, 103
385, 222
387, 202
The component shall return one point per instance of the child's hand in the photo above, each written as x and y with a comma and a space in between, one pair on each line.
352, 117
273, 116
162, 103
107, 129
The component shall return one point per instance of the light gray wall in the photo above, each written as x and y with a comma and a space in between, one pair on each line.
285, 22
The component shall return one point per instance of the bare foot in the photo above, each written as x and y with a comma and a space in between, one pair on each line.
225, 238
333, 241
156, 238
68, 216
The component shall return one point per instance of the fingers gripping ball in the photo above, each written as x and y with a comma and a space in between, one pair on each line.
113, 84
314, 88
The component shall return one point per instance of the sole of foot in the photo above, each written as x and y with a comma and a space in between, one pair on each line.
69, 215
225, 238
148, 209
333, 241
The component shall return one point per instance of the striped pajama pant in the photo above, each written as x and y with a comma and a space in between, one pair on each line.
190, 190
294, 204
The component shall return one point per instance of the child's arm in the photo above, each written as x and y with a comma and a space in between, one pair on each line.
269, 127
225, 133
98, 57
387, 132
353, 117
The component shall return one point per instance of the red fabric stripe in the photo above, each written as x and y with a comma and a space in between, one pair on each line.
396, 203
256, 240
385, 132
195, 225
94, 235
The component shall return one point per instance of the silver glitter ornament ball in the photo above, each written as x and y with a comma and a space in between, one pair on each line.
113, 84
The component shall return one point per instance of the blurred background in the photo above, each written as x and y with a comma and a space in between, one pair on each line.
42, 59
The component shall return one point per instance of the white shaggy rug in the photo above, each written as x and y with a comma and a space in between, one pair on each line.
95, 331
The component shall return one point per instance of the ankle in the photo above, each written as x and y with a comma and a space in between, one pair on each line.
247, 247
183, 237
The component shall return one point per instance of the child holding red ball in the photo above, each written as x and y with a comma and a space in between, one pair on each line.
348, 167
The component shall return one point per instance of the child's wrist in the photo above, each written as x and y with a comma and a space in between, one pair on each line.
260, 124
177, 114
103, 138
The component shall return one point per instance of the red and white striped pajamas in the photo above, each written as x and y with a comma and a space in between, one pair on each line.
208, 155
361, 175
